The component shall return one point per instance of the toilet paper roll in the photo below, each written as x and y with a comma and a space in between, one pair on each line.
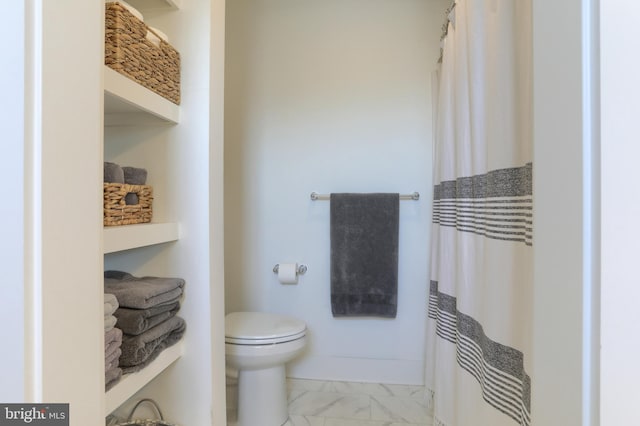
288, 273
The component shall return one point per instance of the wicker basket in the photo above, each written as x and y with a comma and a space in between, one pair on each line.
117, 212
128, 52
146, 422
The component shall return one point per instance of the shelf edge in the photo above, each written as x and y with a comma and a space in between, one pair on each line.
132, 383
121, 89
119, 238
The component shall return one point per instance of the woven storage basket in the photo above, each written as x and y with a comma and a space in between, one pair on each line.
117, 212
128, 52
146, 422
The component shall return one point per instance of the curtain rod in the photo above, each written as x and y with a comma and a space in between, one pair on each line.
415, 196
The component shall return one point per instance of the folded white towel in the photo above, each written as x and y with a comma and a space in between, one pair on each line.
135, 12
109, 323
155, 35
110, 304
155, 40
160, 34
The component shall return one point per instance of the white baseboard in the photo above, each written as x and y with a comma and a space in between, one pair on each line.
391, 371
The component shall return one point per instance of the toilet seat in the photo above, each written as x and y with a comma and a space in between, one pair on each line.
260, 328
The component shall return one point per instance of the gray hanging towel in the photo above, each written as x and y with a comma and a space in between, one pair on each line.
364, 254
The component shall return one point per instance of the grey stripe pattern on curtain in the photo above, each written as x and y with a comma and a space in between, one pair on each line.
496, 205
499, 369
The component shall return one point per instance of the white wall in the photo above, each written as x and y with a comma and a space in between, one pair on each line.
565, 229
620, 209
216, 209
329, 96
12, 229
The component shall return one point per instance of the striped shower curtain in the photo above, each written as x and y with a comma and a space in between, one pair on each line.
479, 310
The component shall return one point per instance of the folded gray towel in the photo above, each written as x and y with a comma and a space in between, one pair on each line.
113, 360
111, 377
113, 335
364, 254
142, 293
139, 351
113, 173
131, 199
137, 321
110, 304
133, 176
111, 348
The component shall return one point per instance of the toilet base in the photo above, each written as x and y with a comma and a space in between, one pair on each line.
262, 397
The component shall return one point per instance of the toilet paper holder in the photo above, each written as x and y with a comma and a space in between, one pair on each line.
300, 271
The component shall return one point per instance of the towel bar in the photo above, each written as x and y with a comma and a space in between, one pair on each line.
415, 196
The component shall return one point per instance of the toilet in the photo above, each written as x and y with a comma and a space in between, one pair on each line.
258, 345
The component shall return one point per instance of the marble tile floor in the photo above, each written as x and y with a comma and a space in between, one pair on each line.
333, 403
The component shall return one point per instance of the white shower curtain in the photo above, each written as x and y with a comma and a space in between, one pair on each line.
479, 312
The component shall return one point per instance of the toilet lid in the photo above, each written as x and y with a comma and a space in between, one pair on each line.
256, 328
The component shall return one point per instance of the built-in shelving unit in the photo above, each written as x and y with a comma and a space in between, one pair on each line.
132, 383
181, 147
127, 103
89, 114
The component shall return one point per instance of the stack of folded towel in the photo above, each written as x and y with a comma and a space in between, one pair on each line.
146, 315
113, 173
112, 342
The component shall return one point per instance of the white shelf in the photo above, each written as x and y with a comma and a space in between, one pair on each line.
143, 5
128, 103
132, 383
118, 238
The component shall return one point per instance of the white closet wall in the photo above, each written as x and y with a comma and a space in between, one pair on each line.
65, 353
